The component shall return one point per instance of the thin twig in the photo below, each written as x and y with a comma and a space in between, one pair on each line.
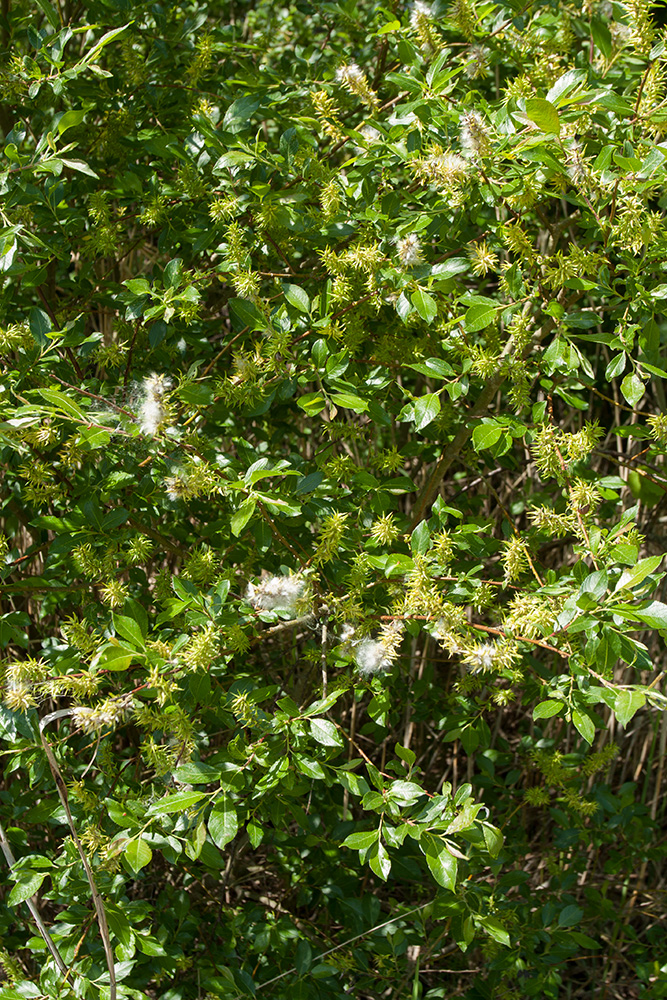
97, 899
454, 448
357, 937
30, 903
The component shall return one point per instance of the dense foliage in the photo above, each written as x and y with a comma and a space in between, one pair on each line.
332, 442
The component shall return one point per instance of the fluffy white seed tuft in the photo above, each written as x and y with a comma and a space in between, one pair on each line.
152, 409
420, 12
372, 656
279, 593
409, 250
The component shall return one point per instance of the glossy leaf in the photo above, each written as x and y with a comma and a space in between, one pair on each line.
544, 114
427, 409
138, 854
441, 862
223, 822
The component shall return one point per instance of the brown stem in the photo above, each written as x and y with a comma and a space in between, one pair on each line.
32, 906
91, 395
456, 445
454, 448
129, 354
482, 628
97, 899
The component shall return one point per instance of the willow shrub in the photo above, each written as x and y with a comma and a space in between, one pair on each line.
332, 449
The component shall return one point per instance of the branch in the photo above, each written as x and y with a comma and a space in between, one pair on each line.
456, 445
454, 448
97, 899
30, 903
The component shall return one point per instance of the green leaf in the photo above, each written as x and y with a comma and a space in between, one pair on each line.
223, 822
40, 326
434, 367
626, 704
632, 388
172, 271
495, 930
425, 305
103, 42
149, 945
114, 655
69, 120
478, 316
405, 753
138, 854
616, 366
361, 841
129, 629
278, 506
654, 615
547, 709
240, 111
349, 401
50, 165
448, 268
426, 409
178, 802
194, 772
118, 922
323, 704
8, 246
59, 399
645, 489
184, 589
585, 941
325, 733
571, 81
378, 859
26, 886
138, 286
231, 159
404, 307
466, 935
493, 839
297, 297
245, 313
51, 14
602, 37
405, 793
637, 574
241, 517
123, 814
584, 724
194, 845
312, 768
303, 956
420, 538
592, 589
255, 833
442, 863
486, 435
313, 403
544, 114
570, 916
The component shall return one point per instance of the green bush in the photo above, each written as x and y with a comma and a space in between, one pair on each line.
333, 434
